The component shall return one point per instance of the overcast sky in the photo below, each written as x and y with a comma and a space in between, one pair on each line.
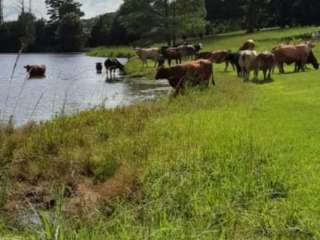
90, 7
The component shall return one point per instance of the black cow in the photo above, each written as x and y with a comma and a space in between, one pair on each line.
112, 65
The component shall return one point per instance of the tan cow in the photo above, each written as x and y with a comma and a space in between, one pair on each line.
146, 54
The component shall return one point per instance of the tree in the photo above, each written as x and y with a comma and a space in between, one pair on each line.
57, 9
101, 30
163, 18
70, 33
26, 29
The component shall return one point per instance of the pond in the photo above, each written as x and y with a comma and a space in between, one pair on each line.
71, 85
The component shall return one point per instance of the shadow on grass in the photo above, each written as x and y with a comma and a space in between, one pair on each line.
261, 82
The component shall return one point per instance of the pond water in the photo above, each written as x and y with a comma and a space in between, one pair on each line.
71, 85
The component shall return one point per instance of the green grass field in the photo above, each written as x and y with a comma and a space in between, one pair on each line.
235, 161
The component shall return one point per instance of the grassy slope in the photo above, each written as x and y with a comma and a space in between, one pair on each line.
239, 161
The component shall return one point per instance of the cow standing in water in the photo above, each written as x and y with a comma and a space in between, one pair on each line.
112, 65
36, 71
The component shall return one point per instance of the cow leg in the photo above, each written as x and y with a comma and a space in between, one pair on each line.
269, 73
212, 78
256, 74
281, 68
227, 66
248, 75
264, 74
233, 67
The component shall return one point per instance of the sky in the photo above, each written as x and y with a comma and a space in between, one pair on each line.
90, 7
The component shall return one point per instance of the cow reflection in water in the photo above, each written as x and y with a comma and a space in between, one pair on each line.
113, 65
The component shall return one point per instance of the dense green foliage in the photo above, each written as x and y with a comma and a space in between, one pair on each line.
41, 35
144, 22
235, 161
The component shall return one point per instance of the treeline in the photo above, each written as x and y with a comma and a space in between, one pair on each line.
64, 31
145, 21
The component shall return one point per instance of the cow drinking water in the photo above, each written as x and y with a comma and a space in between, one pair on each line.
112, 65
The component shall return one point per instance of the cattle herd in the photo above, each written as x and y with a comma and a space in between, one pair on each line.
199, 70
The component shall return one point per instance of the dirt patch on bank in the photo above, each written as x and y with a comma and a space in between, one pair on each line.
80, 194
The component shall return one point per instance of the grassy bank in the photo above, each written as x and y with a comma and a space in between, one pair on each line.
235, 161
119, 52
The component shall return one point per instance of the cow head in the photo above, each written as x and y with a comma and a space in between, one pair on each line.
161, 60
313, 60
28, 68
161, 73
310, 44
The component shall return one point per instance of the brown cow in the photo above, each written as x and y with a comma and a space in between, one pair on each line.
265, 62
36, 70
189, 50
217, 56
248, 45
204, 55
171, 53
196, 73
300, 54
221, 56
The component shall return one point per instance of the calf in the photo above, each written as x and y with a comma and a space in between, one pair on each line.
36, 70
